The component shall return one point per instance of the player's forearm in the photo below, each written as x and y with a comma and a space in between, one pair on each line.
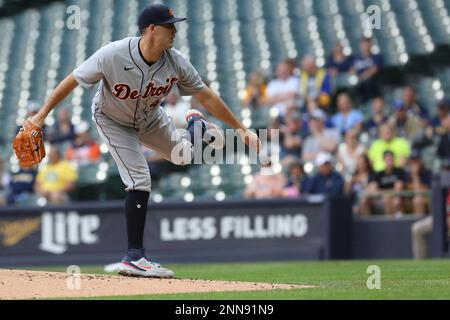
64, 88
217, 107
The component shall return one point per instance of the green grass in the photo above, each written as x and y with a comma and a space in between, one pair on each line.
400, 279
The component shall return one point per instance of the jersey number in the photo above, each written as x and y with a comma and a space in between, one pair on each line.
154, 105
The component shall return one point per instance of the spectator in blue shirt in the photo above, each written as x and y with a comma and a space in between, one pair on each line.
436, 127
443, 110
291, 136
414, 106
367, 66
377, 117
338, 62
347, 118
63, 130
326, 181
21, 186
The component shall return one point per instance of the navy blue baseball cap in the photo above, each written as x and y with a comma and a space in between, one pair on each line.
157, 14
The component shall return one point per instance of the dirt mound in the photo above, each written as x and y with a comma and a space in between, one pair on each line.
20, 284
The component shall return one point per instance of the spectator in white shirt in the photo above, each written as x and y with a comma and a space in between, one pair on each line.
283, 90
349, 152
320, 138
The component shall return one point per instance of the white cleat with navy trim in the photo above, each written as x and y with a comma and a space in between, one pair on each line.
144, 268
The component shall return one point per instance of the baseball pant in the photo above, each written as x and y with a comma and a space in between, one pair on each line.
124, 144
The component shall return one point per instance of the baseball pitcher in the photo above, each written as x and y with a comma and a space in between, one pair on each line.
134, 75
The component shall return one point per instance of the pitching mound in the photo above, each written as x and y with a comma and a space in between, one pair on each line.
20, 284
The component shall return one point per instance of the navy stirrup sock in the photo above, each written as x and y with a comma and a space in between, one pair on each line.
136, 213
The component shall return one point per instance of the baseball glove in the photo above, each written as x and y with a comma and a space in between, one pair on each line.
28, 145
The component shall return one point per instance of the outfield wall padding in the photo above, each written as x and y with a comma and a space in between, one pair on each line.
93, 233
228, 231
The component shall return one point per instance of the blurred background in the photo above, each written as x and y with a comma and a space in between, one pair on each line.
361, 111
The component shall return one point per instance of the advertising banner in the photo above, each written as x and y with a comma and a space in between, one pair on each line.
176, 232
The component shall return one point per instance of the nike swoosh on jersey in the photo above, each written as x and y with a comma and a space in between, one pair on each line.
127, 69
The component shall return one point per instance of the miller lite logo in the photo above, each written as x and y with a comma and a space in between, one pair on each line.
15, 231
61, 230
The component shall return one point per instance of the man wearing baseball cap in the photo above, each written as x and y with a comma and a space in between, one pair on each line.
326, 181
406, 123
320, 138
135, 74
156, 14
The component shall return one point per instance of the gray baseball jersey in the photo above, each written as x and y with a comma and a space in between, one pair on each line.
126, 107
130, 89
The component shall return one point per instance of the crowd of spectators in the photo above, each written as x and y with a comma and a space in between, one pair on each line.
332, 142
350, 142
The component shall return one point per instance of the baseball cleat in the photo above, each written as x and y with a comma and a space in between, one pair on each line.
144, 268
213, 134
